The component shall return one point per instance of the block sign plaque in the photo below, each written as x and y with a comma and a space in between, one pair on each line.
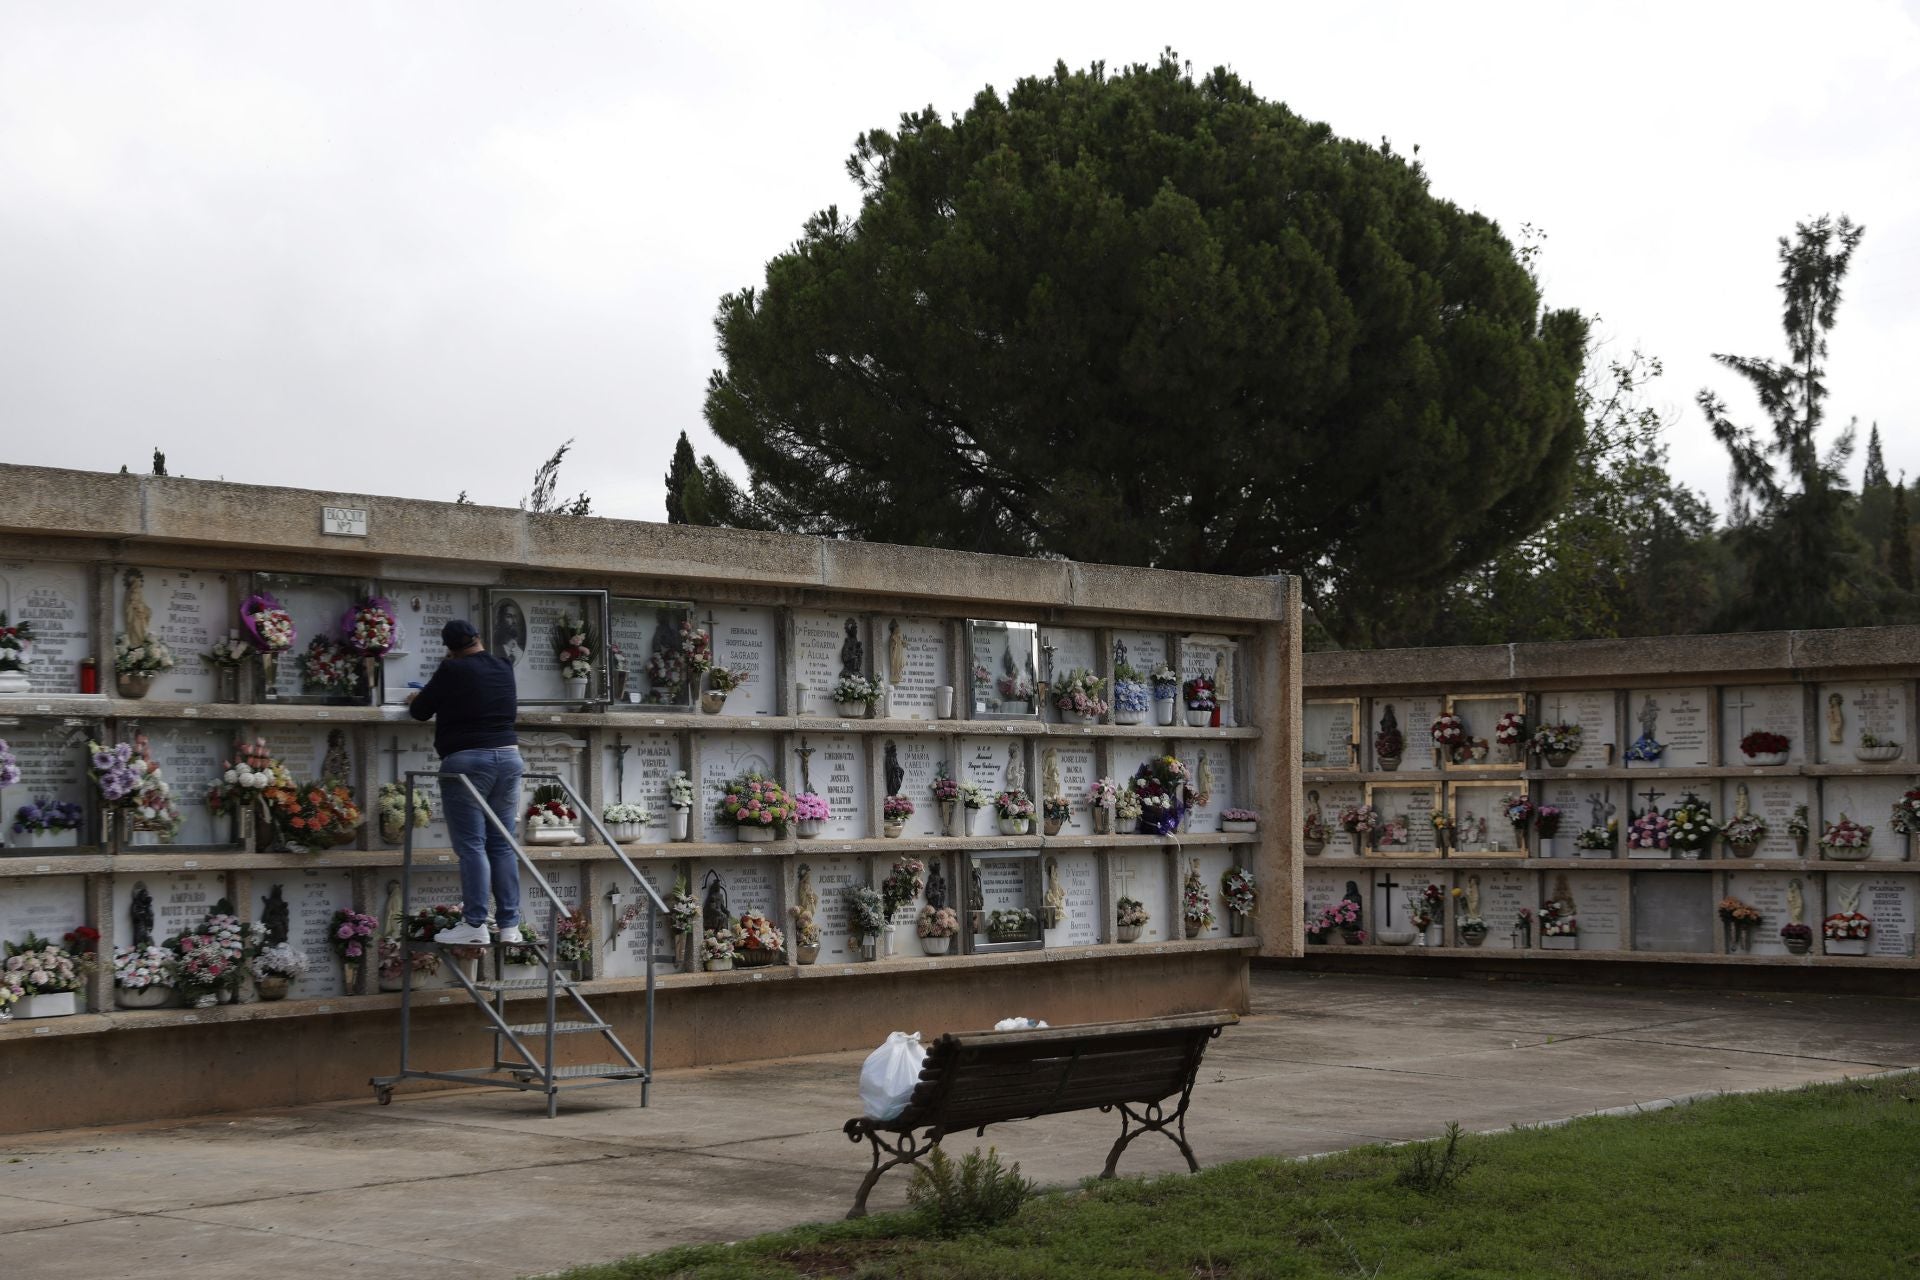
344, 522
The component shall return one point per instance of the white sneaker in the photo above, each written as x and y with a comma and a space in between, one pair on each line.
464, 935
510, 937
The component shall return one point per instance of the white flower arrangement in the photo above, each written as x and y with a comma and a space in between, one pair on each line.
626, 813
149, 658
280, 961
680, 790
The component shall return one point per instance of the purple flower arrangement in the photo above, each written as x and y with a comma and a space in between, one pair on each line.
46, 814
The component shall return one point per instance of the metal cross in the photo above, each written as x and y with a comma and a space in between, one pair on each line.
1652, 796
1742, 707
805, 753
620, 747
1388, 883
393, 749
1559, 709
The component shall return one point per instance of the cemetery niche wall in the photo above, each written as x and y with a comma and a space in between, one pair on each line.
212, 737
1745, 800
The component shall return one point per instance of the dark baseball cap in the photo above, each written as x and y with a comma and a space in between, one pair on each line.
458, 634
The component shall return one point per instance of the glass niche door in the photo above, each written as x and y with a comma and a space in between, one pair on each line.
535, 629
648, 655
1002, 673
1004, 901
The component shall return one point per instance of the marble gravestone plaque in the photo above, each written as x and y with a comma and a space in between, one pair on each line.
1004, 885
1774, 708
912, 655
523, 627
1406, 821
1143, 875
1072, 648
1502, 894
1415, 716
1211, 765
1320, 889
906, 934
1601, 902
302, 748
1594, 710
747, 643
53, 766
1328, 734
402, 749
1888, 901
312, 896
1680, 720
423, 608
1067, 769
1078, 876
723, 758
635, 767
991, 763
53, 598
747, 884
1215, 861
1767, 892
181, 900
1480, 825
1672, 911
832, 875
1387, 892
191, 610
626, 955
1847, 711
49, 906
818, 641
837, 771
568, 880
1214, 657
1330, 798
316, 605
1773, 797
1583, 802
1128, 754
1145, 650
641, 628
1868, 801
191, 756
919, 757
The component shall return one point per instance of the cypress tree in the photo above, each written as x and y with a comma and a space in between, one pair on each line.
1899, 547
683, 472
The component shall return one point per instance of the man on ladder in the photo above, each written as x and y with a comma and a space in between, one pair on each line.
473, 696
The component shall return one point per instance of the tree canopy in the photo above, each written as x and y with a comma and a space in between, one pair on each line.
1146, 319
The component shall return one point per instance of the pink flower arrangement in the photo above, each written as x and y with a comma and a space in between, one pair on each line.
1359, 819
896, 808
808, 807
350, 933
1546, 820
370, 628
756, 801
1650, 831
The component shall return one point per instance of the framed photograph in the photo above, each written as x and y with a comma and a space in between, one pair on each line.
531, 629
1003, 672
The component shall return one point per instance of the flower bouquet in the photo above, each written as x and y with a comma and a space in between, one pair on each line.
1081, 696
45, 975
1160, 785
810, 812
757, 807
1244, 821
1693, 827
894, 812
1798, 938
351, 934
1744, 833
1344, 916
1518, 810
901, 886
573, 939
1132, 695
14, 639
1166, 693
1595, 839
275, 969
47, 823
1846, 933
1846, 841
717, 951
680, 800
1014, 811
1449, 734
1650, 835
573, 643
1426, 907
1557, 744
1523, 928
1359, 821
1510, 731
135, 665
550, 819
626, 822
866, 917
1738, 921
936, 928
1557, 920
1103, 798
721, 681
1014, 924
1237, 891
946, 794
330, 668
1196, 904
1055, 813
243, 784
756, 941
392, 807
316, 815
1126, 810
370, 630
1763, 748
1546, 823
131, 788
143, 977
1906, 813
854, 695
1129, 917
1202, 707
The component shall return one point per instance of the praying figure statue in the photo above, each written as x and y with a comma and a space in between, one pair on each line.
1016, 776
1050, 773
138, 616
896, 653
1389, 721
936, 885
806, 901
853, 654
337, 766
1056, 892
1473, 895
140, 912
1836, 719
1742, 802
1649, 717
896, 776
391, 918
1563, 893
274, 916
1203, 780
1796, 902
1223, 678
715, 916
979, 901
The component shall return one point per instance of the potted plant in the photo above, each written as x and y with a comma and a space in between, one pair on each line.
1313, 833
1518, 810
1763, 748
1799, 826
680, 802
1389, 744
573, 647
717, 951
1426, 908
894, 812
1237, 891
1449, 734
1559, 927
720, 683
393, 960
1129, 918
1846, 841
1469, 928
1595, 842
946, 794
351, 934
1359, 821
1055, 813
391, 805
1737, 922
1081, 697
811, 812
46, 823
523, 961
756, 807
1846, 933
1102, 799
1557, 744
1201, 704
1692, 827
1014, 811
1744, 833
756, 942
1196, 904
866, 918
1874, 750
573, 940
937, 927
1798, 938
806, 937
211, 960
1344, 916
1242, 821
898, 891
1166, 693
1510, 731
1014, 924
136, 665
143, 977
1161, 786
973, 798
1132, 694
14, 639
1649, 836
275, 969
550, 819
625, 822
854, 696
1126, 811
1546, 825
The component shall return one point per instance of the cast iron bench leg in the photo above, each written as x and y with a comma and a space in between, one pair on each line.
1150, 1119
904, 1151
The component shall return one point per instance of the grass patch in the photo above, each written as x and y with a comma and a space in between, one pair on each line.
1823, 1181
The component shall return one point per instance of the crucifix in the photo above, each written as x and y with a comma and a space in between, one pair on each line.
1559, 709
1741, 707
805, 753
1388, 883
1653, 797
620, 747
393, 749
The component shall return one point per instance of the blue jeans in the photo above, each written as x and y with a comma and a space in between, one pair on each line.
489, 869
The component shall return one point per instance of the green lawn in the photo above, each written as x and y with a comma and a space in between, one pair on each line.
1813, 1183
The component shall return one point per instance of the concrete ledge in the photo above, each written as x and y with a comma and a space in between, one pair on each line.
1824, 975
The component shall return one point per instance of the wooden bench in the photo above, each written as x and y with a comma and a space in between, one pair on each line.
978, 1078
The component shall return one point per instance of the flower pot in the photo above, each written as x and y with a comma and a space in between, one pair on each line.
271, 987
575, 689
1741, 850
1123, 716
851, 710
1199, 717
1359, 846
1512, 753
1545, 846
1798, 946
1767, 758
1473, 937
1799, 843
678, 823
892, 830
349, 976
808, 828
1434, 935
754, 835
1558, 759
625, 832
47, 1004
718, 966
1866, 755
1236, 923
153, 996
12, 681
1560, 942
1316, 939
943, 702
553, 835
1015, 826
758, 958
1243, 828
1388, 764
1835, 947
208, 999
805, 954
1080, 718
1594, 853
948, 810
1126, 932
1050, 826
1313, 847
1831, 853
1350, 936
712, 702
132, 685
1191, 928
1395, 937
1163, 709
869, 946
63, 839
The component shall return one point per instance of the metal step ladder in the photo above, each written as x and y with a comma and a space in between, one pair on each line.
523, 1052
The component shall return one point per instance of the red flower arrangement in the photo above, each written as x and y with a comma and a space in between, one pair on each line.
1762, 743
1511, 730
1449, 731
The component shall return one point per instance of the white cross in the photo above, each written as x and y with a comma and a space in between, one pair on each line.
1743, 706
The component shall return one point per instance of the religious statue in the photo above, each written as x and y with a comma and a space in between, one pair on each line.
1849, 897
853, 654
1203, 780
979, 902
1016, 776
896, 776
936, 885
1119, 653
141, 912
391, 917
896, 652
715, 917
337, 766
138, 616
1796, 902
1353, 895
1223, 679
805, 900
1742, 802
1056, 900
1603, 808
1647, 747
1463, 828
274, 916
1050, 773
805, 753
1473, 895
1836, 719
1649, 717
1563, 893
1388, 721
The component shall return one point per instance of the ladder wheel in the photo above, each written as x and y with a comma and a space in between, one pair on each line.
385, 1095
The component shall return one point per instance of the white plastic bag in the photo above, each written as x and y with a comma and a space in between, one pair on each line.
889, 1075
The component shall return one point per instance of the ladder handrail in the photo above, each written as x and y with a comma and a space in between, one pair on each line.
600, 830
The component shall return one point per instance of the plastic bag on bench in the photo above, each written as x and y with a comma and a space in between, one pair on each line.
889, 1075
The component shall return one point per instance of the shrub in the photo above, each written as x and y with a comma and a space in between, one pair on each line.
975, 1193
1435, 1166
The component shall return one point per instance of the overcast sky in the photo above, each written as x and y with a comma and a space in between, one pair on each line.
409, 248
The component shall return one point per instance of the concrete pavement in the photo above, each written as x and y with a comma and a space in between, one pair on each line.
479, 1185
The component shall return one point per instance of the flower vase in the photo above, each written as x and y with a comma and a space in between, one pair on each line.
1350, 936
349, 976
1558, 759
679, 823
1126, 932
1312, 848
271, 987
936, 946
968, 820
719, 966
943, 702
947, 809
14, 680
1798, 946
1799, 844
269, 674
132, 684
226, 683
1236, 923
1102, 820
891, 830
1358, 847
1742, 849
1191, 928
683, 951
47, 1004
1163, 709
808, 828
1389, 764
869, 946
1473, 937
1014, 826
1050, 826
575, 687
851, 710
152, 996
1743, 936
754, 834
806, 954
64, 838
712, 702
1199, 717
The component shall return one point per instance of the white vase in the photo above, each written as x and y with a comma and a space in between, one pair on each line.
1015, 826
678, 823
576, 688
1835, 947
1560, 942
1245, 828
936, 946
152, 996
1163, 709
1767, 759
943, 702
754, 835
553, 835
47, 1004
851, 710
1198, 718
1126, 932
1876, 755
1123, 716
967, 820
64, 839
807, 828
712, 702
15, 682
